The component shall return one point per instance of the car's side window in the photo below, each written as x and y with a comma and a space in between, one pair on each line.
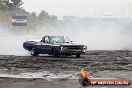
47, 40
43, 39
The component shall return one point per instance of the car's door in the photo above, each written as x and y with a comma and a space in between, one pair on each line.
45, 45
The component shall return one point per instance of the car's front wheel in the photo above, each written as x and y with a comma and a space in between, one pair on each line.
33, 53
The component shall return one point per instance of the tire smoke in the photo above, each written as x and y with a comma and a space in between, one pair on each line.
97, 35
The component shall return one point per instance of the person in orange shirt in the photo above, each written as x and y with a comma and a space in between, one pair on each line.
85, 74
84, 80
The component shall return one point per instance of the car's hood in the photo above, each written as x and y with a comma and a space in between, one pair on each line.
69, 44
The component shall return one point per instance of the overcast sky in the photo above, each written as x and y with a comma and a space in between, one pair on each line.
92, 8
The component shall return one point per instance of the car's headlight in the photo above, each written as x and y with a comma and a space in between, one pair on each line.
61, 48
85, 47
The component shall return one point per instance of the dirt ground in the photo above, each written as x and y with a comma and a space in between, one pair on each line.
63, 72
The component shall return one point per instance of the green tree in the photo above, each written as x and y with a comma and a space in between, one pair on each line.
6, 4
43, 16
17, 3
33, 14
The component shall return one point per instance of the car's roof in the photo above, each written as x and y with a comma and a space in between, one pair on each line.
54, 35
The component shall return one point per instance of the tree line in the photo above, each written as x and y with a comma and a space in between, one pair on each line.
10, 4
44, 16
15, 5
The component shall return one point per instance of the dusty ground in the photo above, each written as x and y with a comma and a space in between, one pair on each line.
107, 64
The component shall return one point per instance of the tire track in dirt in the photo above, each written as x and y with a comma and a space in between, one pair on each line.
99, 60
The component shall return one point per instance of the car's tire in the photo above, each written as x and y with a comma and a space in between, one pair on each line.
55, 53
78, 55
33, 53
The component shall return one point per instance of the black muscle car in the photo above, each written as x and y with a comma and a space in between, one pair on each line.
54, 45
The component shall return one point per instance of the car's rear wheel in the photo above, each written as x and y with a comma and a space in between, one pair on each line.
33, 53
78, 55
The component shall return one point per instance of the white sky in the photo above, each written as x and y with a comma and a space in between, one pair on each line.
92, 8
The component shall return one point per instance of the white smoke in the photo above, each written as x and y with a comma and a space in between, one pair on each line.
103, 35
12, 44
96, 36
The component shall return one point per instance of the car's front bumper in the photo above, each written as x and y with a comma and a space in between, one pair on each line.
71, 52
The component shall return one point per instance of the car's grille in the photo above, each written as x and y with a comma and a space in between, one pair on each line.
73, 47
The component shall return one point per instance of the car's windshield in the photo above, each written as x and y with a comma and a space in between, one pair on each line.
59, 39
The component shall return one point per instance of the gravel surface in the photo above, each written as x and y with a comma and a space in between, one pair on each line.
116, 64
